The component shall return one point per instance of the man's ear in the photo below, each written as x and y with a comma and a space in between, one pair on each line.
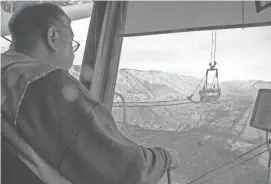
52, 38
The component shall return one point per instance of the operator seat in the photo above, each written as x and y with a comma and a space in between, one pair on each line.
21, 164
13, 170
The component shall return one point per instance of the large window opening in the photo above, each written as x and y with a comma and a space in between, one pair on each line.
157, 74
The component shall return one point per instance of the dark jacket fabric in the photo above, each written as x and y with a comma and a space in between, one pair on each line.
71, 131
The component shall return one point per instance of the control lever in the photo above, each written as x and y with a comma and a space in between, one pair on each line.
169, 176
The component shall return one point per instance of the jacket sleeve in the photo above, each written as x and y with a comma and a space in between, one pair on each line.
79, 137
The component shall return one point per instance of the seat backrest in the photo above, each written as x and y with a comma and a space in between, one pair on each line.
13, 170
29, 157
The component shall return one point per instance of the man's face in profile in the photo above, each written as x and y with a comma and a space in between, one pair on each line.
64, 54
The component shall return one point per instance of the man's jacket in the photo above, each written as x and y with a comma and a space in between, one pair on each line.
76, 135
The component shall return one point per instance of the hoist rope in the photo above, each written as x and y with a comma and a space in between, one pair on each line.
212, 40
269, 159
153, 105
268, 174
215, 46
212, 47
236, 165
156, 101
243, 13
227, 163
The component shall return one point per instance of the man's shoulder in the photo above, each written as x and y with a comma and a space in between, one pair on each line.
16, 64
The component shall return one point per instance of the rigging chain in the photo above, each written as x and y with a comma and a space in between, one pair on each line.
190, 97
214, 80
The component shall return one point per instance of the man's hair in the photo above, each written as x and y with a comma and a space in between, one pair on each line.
32, 21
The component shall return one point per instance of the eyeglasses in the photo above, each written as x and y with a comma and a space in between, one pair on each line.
75, 45
6, 38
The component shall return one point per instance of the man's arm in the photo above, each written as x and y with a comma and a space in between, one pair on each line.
78, 135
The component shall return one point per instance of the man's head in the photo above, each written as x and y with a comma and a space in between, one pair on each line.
43, 31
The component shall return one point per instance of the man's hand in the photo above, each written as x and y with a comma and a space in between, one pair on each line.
175, 159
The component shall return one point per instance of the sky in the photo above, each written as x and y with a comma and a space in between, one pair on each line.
241, 54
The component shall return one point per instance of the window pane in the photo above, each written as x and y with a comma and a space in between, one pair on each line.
80, 30
157, 74
5, 43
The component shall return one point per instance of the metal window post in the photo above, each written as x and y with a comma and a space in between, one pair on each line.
92, 43
108, 54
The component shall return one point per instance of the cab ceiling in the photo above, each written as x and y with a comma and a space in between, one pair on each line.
145, 18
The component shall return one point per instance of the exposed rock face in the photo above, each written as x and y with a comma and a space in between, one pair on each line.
231, 114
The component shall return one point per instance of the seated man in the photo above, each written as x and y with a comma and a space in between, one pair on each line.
57, 116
